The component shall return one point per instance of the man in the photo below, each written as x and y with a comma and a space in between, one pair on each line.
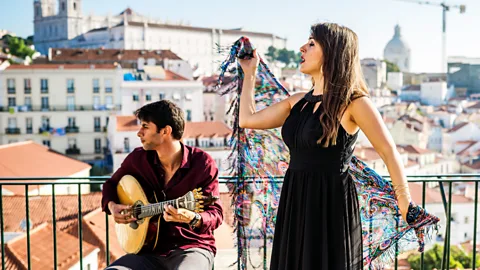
167, 169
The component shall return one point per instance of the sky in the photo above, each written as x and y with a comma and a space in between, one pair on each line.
372, 20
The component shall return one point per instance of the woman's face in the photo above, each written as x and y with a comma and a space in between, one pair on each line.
312, 57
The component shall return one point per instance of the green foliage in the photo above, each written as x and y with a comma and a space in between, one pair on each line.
283, 55
433, 258
18, 46
392, 67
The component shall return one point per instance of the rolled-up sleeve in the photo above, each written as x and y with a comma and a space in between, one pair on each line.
109, 188
212, 217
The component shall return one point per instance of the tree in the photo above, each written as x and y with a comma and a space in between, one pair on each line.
433, 258
16, 46
272, 53
391, 67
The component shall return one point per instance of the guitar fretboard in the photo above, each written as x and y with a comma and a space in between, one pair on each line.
155, 208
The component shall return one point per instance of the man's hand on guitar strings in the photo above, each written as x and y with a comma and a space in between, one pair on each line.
121, 213
181, 215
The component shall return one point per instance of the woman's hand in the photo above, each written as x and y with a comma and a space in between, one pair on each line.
249, 66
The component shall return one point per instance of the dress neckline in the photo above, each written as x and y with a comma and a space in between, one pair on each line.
312, 98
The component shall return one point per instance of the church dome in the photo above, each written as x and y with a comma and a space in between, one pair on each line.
397, 51
397, 44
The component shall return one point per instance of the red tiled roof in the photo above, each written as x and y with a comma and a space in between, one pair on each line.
414, 149
206, 129
61, 66
469, 144
41, 249
475, 106
192, 129
64, 55
94, 233
172, 76
41, 210
432, 195
367, 153
457, 127
43, 162
475, 165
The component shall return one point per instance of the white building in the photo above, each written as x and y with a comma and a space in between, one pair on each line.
443, 118
395, 81
29, 159
397, 51
187, 94
130, 30
433, 93
461, 132
375, 72
63, 106
211, 137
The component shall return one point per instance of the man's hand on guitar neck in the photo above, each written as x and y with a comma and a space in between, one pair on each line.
181, 215
121, 213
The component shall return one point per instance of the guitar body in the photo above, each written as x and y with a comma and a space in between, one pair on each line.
145, 235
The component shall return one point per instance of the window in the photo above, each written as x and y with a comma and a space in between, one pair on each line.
28, 103
148, 96
29, 125
70, 86
12, 102
11, 86
12, 122
126, 145
44, 86
27, 86
108, 85
71, 103
74, 6
63, 6
96, 102
188, 96
96, 124
466, 219
98, 146
71, 122
161, 96
135, 96
176, 96
189, 115
96, 86
46, 142
45, 123
72, 143
109, 102
45, 105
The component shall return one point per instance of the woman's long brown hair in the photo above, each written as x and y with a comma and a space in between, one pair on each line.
342, 73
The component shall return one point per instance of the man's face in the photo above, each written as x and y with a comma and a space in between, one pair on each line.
150, 138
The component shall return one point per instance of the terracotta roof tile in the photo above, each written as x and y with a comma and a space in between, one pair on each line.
414, 149
41, 209
64, 55
457, 127
475, 164
41, 249
172, 76
432, 195
475, 106
62, 66
192, 129
43, 162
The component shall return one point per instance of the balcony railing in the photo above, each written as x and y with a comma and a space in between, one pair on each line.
72, 151
443, 181
15, 131
72, 129
63, 108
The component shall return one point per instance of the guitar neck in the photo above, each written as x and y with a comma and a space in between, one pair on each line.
156, 208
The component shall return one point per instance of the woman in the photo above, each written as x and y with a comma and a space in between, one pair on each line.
318, 222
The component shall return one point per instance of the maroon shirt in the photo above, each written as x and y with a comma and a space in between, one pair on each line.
198, 169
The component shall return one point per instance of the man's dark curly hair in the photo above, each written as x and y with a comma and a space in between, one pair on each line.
163, 113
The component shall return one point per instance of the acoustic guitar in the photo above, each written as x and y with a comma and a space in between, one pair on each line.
143, 233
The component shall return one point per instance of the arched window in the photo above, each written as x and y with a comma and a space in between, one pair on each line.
74, 6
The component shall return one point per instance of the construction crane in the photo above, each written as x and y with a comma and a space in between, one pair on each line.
445, 8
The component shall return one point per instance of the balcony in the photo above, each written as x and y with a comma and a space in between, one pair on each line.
72, 151
44, 129
11, 90
12, 131
63, 108
54, 216
28, 90
72, 129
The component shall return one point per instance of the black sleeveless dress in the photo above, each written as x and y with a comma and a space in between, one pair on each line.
318, 221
